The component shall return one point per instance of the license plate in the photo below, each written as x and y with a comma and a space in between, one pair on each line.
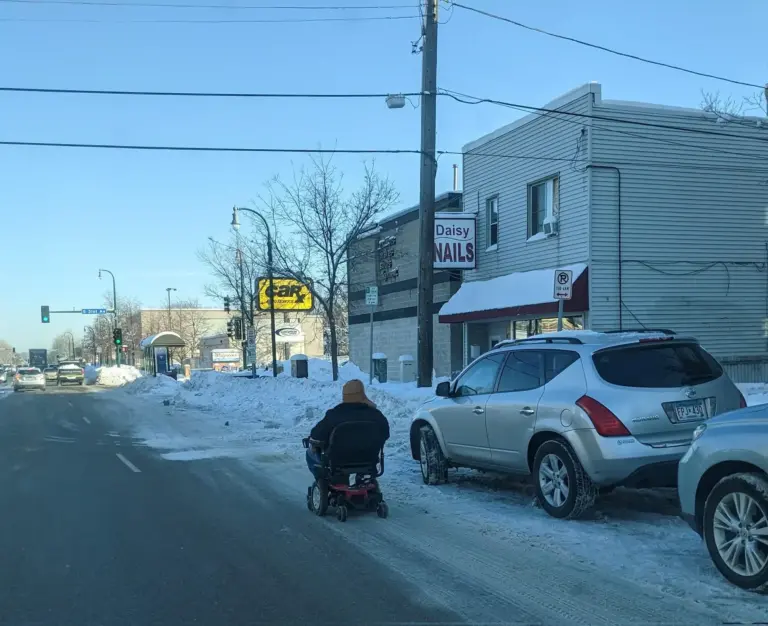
690, 410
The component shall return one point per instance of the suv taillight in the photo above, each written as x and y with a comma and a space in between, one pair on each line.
605, 422
742, 401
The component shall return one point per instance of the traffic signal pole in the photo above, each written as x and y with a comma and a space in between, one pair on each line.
114, 301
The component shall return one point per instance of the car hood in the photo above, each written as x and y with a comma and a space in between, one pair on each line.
757, 414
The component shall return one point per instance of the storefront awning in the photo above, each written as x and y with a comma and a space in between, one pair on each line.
517, 294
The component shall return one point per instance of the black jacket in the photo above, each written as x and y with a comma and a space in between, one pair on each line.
348, 412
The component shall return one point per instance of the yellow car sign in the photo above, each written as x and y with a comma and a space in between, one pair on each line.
289, 293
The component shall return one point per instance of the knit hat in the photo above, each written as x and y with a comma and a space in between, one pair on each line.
354, 392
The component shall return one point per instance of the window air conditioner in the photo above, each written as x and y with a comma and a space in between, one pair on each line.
550, 226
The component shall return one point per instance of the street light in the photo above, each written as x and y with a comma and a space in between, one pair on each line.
169, 290
114, 301
270, 276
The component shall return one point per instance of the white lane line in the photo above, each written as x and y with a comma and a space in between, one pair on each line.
128, 464
86, 420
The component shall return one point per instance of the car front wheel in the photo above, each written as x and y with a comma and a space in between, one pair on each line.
563, 488
736, 529
434, 467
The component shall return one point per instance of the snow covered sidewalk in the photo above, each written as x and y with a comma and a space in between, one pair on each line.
634, 537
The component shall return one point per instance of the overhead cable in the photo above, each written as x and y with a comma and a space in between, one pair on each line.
606, 49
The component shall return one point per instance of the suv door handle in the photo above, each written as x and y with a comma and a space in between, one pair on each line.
478, 410
527, 411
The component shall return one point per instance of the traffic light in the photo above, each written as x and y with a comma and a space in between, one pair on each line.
45, 314
117, 336
238, 328
226, 304
230, 331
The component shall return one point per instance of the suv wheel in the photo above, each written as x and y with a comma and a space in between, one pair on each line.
736, 529
434, 468
562, 486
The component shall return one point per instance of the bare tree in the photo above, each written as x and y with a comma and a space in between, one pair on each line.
321, 223
193, 326
6, 352
729, 109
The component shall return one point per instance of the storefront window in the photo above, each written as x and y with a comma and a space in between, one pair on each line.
527, 328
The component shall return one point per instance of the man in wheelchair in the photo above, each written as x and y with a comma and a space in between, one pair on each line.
348, 440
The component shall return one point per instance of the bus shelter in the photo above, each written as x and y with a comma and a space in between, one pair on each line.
158, 352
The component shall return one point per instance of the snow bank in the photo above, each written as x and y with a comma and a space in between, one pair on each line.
754, 393
115, 376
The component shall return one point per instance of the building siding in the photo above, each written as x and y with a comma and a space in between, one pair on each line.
398, 296
694, 238
487, 175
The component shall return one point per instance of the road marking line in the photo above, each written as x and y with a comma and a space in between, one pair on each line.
128, 464
86, 420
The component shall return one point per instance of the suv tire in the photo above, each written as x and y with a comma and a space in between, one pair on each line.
744, 486
434, 468
581, 492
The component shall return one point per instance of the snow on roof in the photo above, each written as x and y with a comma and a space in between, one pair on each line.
504, 292
167, 339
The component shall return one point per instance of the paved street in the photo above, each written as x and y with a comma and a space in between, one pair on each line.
95, 530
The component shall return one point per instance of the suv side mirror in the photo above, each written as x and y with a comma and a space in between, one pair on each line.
443, 389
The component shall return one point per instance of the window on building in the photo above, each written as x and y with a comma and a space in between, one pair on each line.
492, 220
543, 202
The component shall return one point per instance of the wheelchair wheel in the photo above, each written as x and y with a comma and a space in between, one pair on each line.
319, 498
382, 510
342, 512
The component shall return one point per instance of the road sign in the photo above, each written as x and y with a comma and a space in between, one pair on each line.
94, 311
289, 295
251, 335
372, 295
563, 284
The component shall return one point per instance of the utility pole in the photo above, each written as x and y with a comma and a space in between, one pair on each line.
243, 343
427, 193
170, 325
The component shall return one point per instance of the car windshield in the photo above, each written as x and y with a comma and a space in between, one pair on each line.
658, 365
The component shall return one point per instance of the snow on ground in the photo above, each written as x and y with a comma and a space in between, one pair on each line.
111, 376
633, 535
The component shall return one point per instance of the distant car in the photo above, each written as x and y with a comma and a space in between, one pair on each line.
51, 374
70, 372
28, 378
723, 488
579, 411
3, 376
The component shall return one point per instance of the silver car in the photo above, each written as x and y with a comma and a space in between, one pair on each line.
28, 378
723, 487
580, 411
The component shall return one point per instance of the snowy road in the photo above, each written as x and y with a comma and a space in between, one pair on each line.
476, 548
97, 529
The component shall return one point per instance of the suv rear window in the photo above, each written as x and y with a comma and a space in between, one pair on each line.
657, 365
28, 371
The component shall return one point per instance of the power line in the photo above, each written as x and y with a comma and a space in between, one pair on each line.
198, 94
606, 49
162, 148
533, 109
170, 5
298, 20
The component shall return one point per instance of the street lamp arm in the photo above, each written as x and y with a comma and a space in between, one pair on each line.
261, 217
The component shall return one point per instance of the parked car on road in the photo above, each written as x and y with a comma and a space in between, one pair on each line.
28, 378
51, 374
3, 375
70, 372
580, 411
723, 488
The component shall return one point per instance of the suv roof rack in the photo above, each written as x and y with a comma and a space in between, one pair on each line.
665, 331
515, 342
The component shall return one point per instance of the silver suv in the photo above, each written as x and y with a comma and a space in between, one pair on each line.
580, 411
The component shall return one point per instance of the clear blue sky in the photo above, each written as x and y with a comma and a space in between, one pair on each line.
65, 213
